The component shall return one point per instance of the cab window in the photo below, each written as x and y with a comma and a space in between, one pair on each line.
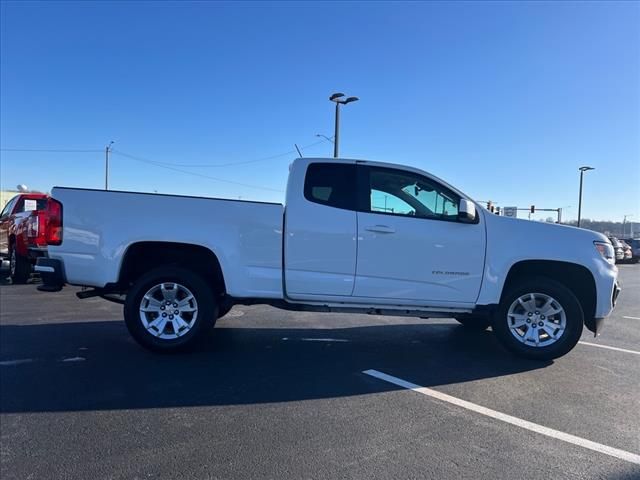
388, 203
397, 192
30, 204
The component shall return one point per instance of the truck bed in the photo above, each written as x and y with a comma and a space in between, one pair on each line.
99, 226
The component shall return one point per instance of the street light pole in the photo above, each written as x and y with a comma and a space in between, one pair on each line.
107, 151
582, 170
336, 132
337, 98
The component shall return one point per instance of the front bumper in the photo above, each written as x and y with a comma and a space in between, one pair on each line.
596, 324
52, 273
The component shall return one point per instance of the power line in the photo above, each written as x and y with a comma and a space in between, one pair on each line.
48, 150
157, 164
171, 165
230, 164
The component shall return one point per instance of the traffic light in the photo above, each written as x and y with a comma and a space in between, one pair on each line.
533, 209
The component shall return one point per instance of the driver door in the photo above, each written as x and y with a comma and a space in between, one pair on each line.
411, 247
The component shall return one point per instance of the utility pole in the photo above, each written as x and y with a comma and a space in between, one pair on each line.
336, 97
107, 151
582, 170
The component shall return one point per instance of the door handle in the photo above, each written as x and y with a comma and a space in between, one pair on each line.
380, 229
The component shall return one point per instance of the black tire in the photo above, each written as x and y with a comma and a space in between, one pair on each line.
207, 309
19, 266
564, 297
474, 322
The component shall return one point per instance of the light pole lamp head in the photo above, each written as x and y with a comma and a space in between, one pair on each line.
586, 169
350, 99
336, 96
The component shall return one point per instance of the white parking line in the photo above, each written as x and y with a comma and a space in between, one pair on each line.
518, 422
74, 359
609, 348
324, 340
631, 318
316, 339
10, 363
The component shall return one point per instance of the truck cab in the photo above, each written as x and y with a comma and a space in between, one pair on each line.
358, 231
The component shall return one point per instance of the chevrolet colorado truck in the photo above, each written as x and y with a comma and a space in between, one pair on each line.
354, 237
22, 233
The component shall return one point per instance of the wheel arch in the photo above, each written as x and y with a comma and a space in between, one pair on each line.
143, 256
576, 278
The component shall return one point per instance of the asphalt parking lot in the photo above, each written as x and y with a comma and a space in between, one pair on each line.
283, 395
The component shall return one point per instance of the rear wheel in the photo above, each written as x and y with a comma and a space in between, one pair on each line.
19, 266
168, 308
540, 319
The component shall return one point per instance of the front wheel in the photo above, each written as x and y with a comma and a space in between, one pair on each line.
168, 308
539, 319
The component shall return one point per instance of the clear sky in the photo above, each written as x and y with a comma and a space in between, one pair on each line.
503, 100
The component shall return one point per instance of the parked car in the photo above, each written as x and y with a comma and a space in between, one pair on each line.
183, 261
618, 249
22, 239
634, 243
628, 251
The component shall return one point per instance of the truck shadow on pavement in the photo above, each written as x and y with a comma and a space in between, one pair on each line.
97, 366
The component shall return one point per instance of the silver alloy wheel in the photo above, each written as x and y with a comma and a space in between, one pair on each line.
168, 310
536, 319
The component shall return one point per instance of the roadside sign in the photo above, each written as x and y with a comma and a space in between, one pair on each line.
510, 212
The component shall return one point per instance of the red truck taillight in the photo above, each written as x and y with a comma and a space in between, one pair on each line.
54, 222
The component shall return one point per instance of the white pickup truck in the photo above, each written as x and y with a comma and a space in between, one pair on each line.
354, 237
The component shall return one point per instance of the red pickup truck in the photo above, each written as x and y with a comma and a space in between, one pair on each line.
23, 225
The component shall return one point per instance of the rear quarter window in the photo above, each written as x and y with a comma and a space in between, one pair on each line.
331, 184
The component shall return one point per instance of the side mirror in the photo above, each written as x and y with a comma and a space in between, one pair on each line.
466, 211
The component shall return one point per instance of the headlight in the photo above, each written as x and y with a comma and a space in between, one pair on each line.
606, 250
